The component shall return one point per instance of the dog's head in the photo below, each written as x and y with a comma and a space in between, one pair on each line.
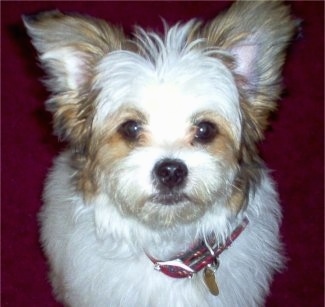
165, 126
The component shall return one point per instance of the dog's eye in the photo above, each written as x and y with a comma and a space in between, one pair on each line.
130, 130
205, 132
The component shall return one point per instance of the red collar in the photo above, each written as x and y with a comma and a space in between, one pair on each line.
197, 258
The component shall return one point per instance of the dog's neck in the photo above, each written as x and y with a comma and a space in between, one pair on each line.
198, 257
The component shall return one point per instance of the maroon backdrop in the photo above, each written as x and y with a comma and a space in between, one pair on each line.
293, 148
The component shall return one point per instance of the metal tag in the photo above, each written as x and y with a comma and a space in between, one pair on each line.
210, 280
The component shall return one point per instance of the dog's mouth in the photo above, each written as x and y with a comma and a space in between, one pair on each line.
169, 198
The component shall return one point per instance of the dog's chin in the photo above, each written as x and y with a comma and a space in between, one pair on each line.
169, 198
169, 209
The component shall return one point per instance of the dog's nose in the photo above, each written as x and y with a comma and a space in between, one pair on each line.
170, 172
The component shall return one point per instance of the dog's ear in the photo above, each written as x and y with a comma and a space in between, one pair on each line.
256, 34
69, 47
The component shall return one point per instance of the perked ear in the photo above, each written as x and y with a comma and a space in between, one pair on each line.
69, 47
256, 34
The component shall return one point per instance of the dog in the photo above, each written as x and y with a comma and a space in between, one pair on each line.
161, 198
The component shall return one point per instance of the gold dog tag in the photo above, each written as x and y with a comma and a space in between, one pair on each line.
210, 280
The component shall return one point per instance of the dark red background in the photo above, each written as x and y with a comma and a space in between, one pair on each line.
293, 148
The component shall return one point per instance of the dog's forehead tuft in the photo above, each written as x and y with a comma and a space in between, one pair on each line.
192, 84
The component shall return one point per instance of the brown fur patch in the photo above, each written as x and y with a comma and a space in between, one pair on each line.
249, 162
231, 153
223, 145
106, 147
73, 115
242, 155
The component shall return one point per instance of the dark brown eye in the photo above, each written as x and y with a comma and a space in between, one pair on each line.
205, 132
130, 130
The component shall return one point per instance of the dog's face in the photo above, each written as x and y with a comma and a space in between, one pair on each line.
165, 127
168, 144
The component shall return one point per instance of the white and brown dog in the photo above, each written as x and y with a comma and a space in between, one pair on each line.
162, 181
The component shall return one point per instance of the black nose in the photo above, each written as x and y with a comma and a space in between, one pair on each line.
170, 172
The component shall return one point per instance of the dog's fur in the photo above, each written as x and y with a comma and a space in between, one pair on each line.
199, 95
